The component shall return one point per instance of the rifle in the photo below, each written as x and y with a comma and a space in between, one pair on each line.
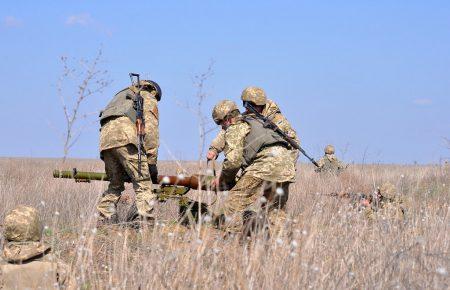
140, 123
269, 124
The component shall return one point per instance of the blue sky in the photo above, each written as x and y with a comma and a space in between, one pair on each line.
371, 77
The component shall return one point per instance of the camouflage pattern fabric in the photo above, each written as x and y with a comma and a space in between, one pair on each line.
255, 95
389, 205
121, 131
26, 262
120, 164
330, 164
272, 111
222, 110
386, 209
273, 163
250, 199
22, 224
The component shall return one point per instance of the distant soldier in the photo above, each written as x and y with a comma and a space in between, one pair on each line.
385, 203
119, 151
329, 163
267, 170
26, 261
270, 110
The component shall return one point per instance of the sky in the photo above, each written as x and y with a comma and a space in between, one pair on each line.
370, 77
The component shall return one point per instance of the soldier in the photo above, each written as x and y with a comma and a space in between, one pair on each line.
267, 169
329, 163
386, 203
270, 110
119, 151
26, 261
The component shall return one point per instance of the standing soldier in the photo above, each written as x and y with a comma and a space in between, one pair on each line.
27, 262
119, 149
258, 97
267, 169
329, 163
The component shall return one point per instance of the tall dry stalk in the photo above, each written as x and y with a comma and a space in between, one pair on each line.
89, 80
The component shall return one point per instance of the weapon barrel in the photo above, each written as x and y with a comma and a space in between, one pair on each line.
80, 175
196, 181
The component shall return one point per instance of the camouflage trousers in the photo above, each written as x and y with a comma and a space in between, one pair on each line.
252, 203
121, 164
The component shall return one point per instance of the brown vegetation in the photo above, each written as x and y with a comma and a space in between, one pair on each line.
328, 245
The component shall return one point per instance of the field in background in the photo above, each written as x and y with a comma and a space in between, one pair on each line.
327, 244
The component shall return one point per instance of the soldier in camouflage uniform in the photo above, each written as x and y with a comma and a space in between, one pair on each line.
329, 163
271, 110
267, 170
26, 262
118, 149
386, 203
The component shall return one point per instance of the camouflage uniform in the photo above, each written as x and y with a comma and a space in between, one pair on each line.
27, 263
118, 149
329, 163
387, 206
271, 111
264, 184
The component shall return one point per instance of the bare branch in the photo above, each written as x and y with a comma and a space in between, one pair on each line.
93, 81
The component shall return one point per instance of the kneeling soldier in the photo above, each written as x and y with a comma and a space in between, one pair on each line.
267, 170
329, 163
27, 262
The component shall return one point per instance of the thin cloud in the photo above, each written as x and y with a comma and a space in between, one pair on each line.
83, 19
11, 22
423, 102
86, 20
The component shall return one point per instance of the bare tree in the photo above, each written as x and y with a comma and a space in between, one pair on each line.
201, 94
89, 80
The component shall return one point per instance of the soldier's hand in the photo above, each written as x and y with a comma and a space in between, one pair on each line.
153, 173
211, 155
365, 203
215, 183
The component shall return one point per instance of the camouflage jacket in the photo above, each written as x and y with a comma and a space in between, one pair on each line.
121, 131
329, 163
386, 208
272, 111
273, 163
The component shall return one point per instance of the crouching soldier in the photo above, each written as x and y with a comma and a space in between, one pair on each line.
329, 163
267, 167
258, 97
119, 150
27, 262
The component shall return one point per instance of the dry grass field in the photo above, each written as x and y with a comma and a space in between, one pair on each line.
327, 244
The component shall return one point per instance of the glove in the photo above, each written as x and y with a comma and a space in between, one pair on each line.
153, 173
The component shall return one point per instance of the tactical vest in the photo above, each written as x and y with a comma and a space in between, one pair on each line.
121, 105
258, 139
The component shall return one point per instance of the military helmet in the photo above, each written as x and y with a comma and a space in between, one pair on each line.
329, 149
154, 86
222, 110
254, 95
22, 224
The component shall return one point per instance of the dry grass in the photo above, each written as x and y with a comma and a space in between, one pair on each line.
329, 245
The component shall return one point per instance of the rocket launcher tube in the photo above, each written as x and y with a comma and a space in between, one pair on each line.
196, 181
